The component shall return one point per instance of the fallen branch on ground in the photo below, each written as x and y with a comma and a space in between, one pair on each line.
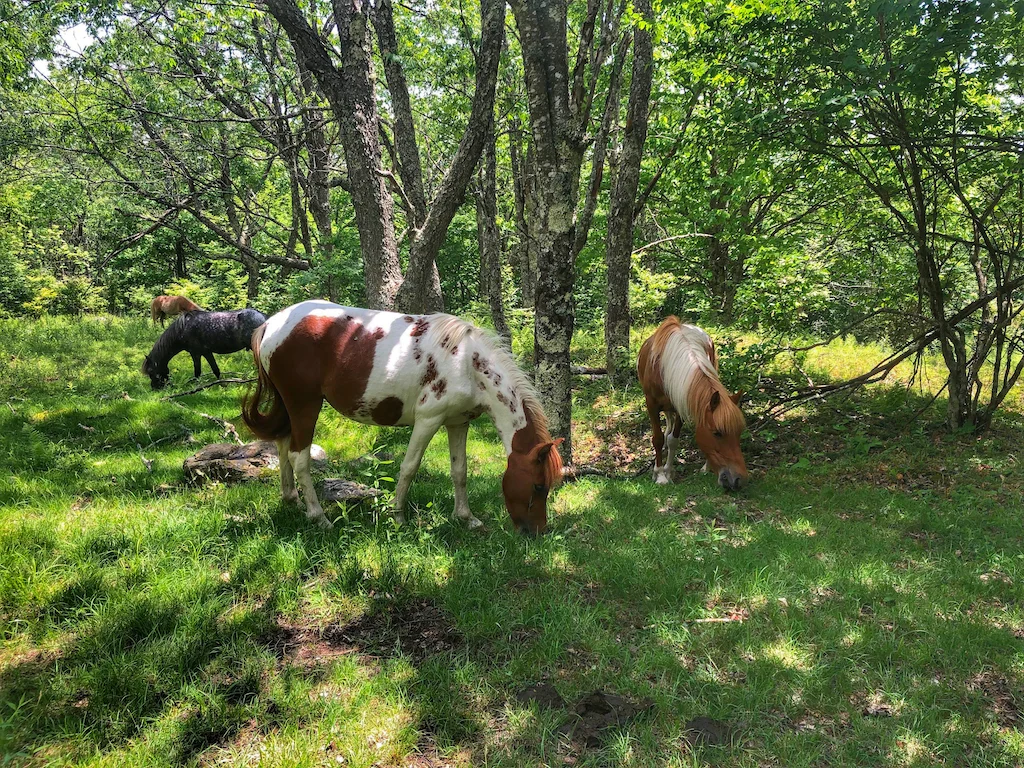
586, 370
147, 463
201, 387
573, 472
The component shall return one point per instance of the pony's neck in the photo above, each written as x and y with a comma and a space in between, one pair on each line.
167, 346
505, 393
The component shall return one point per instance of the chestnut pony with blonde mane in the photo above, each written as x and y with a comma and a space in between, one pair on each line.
169, 306
678, 371
424, 371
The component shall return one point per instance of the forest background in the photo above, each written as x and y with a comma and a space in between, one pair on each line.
798, 170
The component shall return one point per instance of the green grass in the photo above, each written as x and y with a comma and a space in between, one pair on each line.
872, 570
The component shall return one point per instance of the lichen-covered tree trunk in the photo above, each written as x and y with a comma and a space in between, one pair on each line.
558, 156
618, 256
488, 235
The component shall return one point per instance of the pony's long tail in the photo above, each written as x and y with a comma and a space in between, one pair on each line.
272, 422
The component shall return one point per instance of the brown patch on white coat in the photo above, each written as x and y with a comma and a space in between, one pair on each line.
678, 371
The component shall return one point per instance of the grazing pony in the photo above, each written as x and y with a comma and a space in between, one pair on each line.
201, 334
427, 371
169, 306
678, 371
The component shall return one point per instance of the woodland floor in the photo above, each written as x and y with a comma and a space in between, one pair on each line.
859, 604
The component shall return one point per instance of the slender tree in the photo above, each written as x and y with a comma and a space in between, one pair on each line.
618, 256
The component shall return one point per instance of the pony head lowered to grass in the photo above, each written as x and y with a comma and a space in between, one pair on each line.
201, 334
384, 368
678, 371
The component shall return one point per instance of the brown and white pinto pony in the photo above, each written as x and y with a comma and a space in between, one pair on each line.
427, 371
678, 371
169, 306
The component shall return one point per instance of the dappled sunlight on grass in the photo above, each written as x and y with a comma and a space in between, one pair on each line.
858, 608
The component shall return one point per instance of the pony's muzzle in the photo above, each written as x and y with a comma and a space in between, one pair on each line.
729, 480
528, 530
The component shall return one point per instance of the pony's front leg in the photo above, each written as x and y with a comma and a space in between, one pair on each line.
197, 365
422, 432
661, 472
457, 434
675, 427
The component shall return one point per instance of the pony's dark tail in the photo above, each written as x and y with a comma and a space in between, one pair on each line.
273, 423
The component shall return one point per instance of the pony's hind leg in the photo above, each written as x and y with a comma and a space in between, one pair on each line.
303, 424
422, 432
457, 435
213, 363
289, 492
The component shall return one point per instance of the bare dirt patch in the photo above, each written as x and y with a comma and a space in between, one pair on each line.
544, 694
304, 645
598, 712
706, 731
418, 629
1002, 700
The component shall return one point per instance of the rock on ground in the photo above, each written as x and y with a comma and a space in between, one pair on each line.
230, 463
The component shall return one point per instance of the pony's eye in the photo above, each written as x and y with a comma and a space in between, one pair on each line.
718, 433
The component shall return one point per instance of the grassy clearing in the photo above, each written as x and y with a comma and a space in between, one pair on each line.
870, 582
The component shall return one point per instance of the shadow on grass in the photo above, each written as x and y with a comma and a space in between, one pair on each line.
857, 626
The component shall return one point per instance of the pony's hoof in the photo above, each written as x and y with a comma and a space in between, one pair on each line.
292, 498
663, 479
324, 523
398, 517
474, 524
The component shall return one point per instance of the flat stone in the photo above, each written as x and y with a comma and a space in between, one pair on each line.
345, 491
230, 463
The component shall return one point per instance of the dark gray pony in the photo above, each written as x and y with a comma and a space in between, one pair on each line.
201, 334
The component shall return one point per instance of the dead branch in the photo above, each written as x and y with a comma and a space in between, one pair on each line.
147, 463
216, 383
574, 472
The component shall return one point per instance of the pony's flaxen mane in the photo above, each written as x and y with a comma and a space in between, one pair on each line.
686, 357
449, 332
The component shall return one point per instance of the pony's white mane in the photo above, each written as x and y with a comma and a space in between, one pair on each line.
690, 376
449, 331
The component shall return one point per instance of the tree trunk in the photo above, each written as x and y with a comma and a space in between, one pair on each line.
522, 170
488, 235
180, 267
417, 293
350, 93
558, 156
618, 256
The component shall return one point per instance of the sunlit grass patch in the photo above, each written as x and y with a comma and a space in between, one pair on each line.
856, 605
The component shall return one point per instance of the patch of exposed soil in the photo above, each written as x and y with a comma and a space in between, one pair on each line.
707, 732
305, 645
418, 629
1003, 701
544, 694
427, 756
598, 712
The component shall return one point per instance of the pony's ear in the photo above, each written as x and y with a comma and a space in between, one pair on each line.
545, 450
738, 396
716, 400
